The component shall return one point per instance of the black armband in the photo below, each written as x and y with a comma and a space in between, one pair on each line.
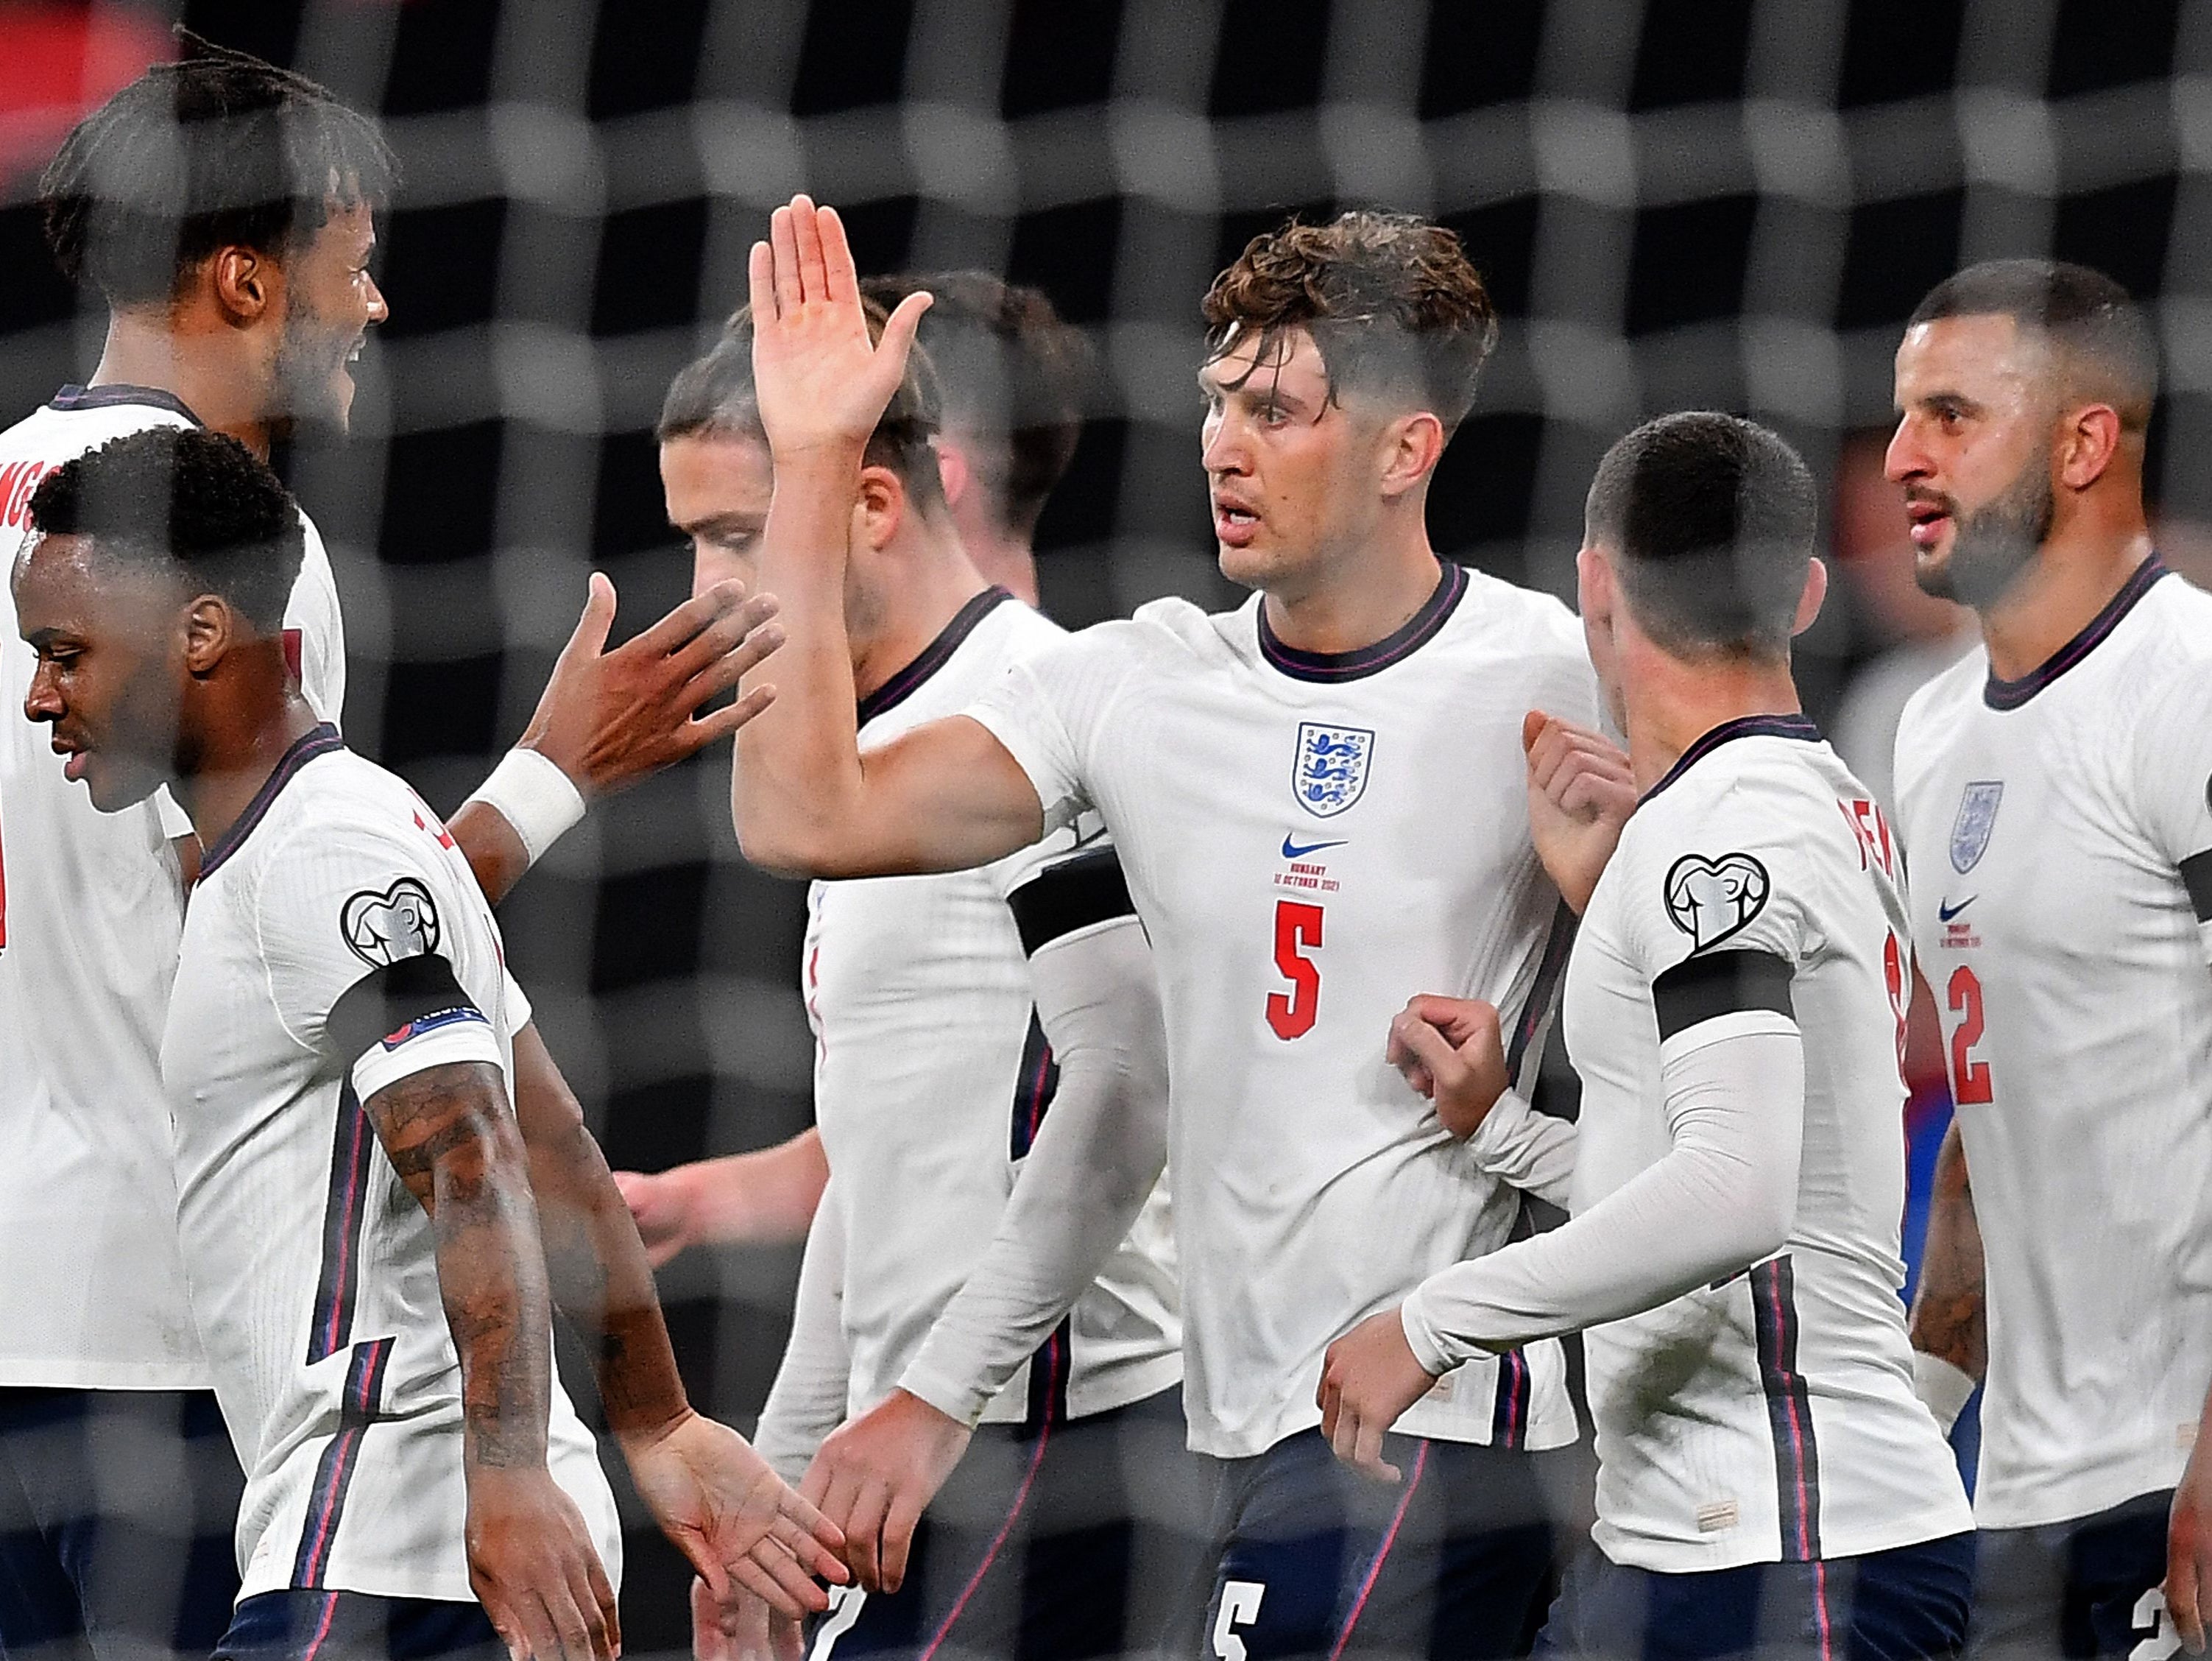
1715, 983
1076, 893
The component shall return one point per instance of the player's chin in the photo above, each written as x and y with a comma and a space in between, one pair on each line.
1248, 567
115, 785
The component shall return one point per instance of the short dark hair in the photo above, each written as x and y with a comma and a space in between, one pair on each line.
1712, 519
1013, 372
2095, 324
716, 394
1391, 300
196, 502
216, 150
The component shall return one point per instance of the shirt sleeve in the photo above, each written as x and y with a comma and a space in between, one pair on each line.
2172, 782
357, 936
1045, 709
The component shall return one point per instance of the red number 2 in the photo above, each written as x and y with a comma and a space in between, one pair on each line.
1970, 1079
1297, 924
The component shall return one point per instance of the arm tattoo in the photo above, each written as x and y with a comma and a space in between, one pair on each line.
1949, 1310
449, 1136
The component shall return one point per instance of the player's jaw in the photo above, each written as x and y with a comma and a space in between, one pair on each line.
1972, 555
331, 303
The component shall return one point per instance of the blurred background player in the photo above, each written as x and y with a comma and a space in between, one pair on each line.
2052, 791
951, 1013
385, 1367
224, 209
1016, 381
1768, 1483
1318, 802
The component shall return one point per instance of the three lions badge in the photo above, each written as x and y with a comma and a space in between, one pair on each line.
1330, 770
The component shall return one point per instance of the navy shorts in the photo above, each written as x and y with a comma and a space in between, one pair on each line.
2085, 1587
352, 1626
1898, 1605
116, 1512
1071, 1542
1315, 1560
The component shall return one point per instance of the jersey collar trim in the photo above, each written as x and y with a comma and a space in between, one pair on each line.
1401, 643
106, 398
319, 740
1743, 726
934, 656
2011, 694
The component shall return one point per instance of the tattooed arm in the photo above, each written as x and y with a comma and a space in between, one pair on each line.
1950, 1323
715, 1498
532, 1564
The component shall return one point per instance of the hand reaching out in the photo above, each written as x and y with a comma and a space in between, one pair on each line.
1581, 792
874, 1477
1450, 1050
821, 382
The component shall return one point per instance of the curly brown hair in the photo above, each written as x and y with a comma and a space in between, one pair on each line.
1391, 300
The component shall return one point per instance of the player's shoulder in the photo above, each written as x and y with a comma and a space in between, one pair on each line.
1507, 616
1932, 712
2178, 619
327, 803
77, 419
1771, 781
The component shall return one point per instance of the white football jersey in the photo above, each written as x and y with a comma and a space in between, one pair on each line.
1769, 1417
90, 912
2058, 827
336, 943
1311, 841
932, 1073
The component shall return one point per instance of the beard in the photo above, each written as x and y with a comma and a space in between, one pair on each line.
309, 361
1990, 546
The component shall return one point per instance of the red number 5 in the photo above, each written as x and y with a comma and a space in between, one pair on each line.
1970, 1079
1297, 924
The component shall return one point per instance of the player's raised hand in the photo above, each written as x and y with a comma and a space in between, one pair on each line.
1581, 792
532, 1566
740, 1525
1369, 1376
1452, 1051
609, 718
2188, 1548
821, 382
874, 1476
742, 1629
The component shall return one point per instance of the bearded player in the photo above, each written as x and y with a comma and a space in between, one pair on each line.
2052, 794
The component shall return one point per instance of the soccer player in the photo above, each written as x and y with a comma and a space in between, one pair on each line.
1768, 1483
2052, 799
1015, 381
355, 1213
966, 1025
1318, 800
224, 210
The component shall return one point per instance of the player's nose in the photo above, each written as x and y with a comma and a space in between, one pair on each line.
1906, 458
43, 701
378, 309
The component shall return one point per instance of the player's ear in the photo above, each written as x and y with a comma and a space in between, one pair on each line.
1809, 603
882, 506
954, 475
2086, 444
211, 628
244, 282
1594, 585
1413, 445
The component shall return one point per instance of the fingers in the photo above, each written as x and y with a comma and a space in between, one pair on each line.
899, 331
841, 283
710, 1640
713, 659
759, 282
806, 238
786, 1641
1433, 1054
899, 1523
1532, 724
2183, 1585
589, 637
602, 1591
697, 734
864, 1528
577, 1618
1367, 1452
801, 1531
688, 621
783, 238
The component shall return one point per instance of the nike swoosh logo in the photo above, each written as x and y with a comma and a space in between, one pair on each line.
1944, 913
1292, 850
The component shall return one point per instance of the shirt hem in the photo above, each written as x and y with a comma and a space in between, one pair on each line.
2069, 1502
120, 1376
1658, 1555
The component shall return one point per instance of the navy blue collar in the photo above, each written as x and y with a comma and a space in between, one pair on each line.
106, 398
319, 740
2011, 694
1400, 642
1743, 726
932, 657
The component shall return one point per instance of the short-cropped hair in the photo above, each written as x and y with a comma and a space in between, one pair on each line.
2105, 344
218, 150
1014, 374
716, 394
1711, 518
195, 503
1392, 301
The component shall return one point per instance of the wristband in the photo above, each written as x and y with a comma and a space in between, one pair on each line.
1945, 1388
532, 795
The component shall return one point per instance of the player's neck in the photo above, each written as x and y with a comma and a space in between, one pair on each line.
241, 743
1003, 558
147, 347
2072, 577
1671, 704
1354, 602
915, 595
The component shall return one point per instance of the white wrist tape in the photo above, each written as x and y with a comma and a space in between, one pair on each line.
1946, 1389
531, 794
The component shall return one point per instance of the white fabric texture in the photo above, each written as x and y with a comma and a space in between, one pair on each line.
1095, 1162
1721, 1199
1534, 1152
808, 1400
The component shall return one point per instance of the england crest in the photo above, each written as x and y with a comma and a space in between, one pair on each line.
1331, 768
1978, 817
